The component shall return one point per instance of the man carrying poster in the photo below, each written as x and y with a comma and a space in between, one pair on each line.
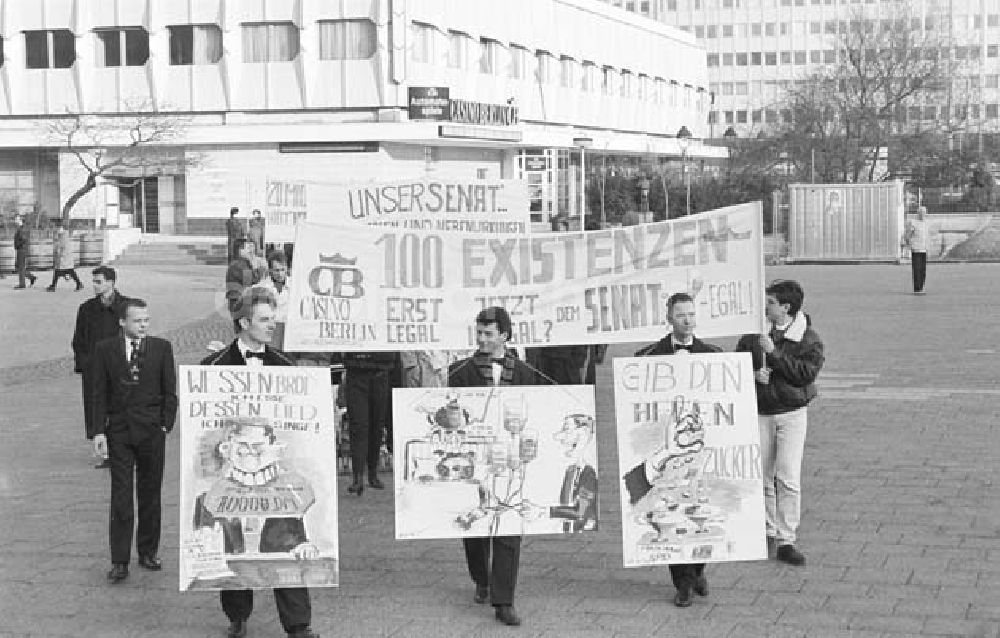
493, 365
682, 317
256, 319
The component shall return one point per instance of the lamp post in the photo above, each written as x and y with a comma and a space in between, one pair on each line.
583, 143
684, 140
644, 198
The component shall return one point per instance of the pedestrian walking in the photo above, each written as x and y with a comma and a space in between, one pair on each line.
134, 402
916, 238
367, 392
251, 348
235, 231
240, 276
63, 258
255, 230
21, 237
96, 320
682, 317
786, 363
493, 562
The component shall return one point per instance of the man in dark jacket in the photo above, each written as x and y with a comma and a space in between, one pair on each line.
786, 364
368, 392
493, 364
134, 402
21, 254
239, 277
256, 318
96, 320
682, 317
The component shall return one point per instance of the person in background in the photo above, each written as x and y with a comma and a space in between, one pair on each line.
235, 231
63, 258
277, 283
916, 238
367, 391
255, 230
21, 254
786, 363
239, 276
96, 320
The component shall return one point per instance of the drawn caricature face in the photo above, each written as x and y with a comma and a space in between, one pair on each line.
456, 467
576, 434
251, 448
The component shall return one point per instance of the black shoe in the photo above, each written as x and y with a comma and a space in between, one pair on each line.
788, 554
50, 288
357, 487
482, 594
376, 483
303, 633
507, 615
152, 563
237, 629
683, 597
118, 573
701, 586
103, 465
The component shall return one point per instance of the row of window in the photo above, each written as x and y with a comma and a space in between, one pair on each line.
488, 56
832, 27
830, 56
770, 89
698, 5
903, 114
192, 44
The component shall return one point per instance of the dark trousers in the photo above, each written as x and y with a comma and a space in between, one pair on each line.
88, 403
685, 576
501, 577
918, 264
59, 272
21, 266
139, 466
294, 608
367, 394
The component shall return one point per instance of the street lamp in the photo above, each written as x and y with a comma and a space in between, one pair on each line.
583, 143
644, 197
684, 140
813, 136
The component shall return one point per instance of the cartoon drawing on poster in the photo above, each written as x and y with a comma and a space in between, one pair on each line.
689, 456
258, 478
494, 461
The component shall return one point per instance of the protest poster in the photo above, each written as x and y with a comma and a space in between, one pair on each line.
497, 460
367, 289
258, 505
689, 459
441, 204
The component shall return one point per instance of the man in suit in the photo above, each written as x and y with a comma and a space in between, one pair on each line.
134, 397
96, 320
256, 314
493, 364
578, 496
21, 254
682, 317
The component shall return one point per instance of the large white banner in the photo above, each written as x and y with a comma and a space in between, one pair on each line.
258, 505
489, 206
363, 288
689, 459
491, 461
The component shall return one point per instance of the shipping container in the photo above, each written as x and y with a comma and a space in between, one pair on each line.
845, 222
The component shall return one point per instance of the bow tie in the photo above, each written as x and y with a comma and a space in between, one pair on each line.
680, 347
498, 360
254, 355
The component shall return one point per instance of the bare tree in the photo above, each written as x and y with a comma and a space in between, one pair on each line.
105, 145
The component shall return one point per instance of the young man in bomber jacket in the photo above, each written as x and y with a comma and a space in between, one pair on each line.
786, 362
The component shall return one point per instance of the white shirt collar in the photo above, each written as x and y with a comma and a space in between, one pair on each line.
676, 342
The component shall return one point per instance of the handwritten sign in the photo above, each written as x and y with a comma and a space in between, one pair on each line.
415, 288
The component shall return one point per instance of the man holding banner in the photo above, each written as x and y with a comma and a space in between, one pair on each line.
255, 317
493, 365
682, 317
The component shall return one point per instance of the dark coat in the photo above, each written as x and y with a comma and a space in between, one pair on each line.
794, 365
666, 346
21, 236
232, 356
95, 322
562, 364
465, 374
141, 409
239, 276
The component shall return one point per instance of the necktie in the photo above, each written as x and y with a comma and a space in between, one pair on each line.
133, 361
254, 355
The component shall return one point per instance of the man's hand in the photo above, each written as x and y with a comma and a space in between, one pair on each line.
305, 551
101, 446
762, 376
767, 344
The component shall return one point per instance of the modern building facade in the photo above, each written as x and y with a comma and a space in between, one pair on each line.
319, 91
755, 49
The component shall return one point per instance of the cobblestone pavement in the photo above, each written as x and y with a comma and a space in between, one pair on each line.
900, 522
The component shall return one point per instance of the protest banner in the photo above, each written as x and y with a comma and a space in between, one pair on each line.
498, 460
361, 288
689, 459
258, 505
442, 204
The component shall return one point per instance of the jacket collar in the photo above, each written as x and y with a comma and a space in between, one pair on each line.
797, 329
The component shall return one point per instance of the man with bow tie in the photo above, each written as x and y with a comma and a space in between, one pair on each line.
682, 317
256, 319
492, 365
134, 402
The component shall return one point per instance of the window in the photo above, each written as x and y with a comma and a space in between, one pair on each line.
992, 50
608, 80
727, 59
992, 81
567, 71
770, 58
727, 30
712, 59
783, 28
1, 51
626, 85
713, 117
769, 28
346, 39
786, 57
727, 88
800, 57
771, 116
699, 32
993, 20
829, 56
489, 56
588, 77
992, 112
457, 52
518, 62
54, 49
544, 66
712, 31
755, 58
729, 117
195, 44
270, 41
741, 117
756, 116
740, 88
741, 59
815, 27
128, 46
17, 192
755, 28
671, 5
815, 57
